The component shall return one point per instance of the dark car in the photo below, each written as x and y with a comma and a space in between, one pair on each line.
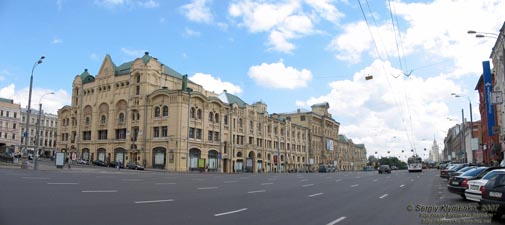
493, 195
447, 173
384, 169
462, 170
458, 184
99, 163
134, 166
114, 164
322, 169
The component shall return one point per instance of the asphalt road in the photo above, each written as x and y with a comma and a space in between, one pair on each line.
108, 196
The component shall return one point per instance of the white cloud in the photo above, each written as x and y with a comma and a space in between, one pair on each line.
407, 107
59, 4
327, 9
57, 41
149, 4
93, 56
215, 84
283, 21
191, 33
111, 3
277, 75
198, 11
433, 28
133, 52
50, 103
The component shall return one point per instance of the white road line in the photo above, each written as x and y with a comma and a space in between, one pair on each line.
337, 180
198, 179
64, 183
230, 212
358, 177
375, 180
36, 178
251, 192
310, 196
383, 196
206, 188
402, 185
411, 180
163, 183
266, 183
230, 181
154, 201
336, 221
131, 179
307, 185
99, 191
303, 180
354, 185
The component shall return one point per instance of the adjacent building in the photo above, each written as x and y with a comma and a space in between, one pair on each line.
47, 132
9, 125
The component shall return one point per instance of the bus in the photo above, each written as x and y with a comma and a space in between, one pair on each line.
415, 164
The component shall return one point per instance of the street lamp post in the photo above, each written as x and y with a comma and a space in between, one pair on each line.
24, 164
37, 134
471, 116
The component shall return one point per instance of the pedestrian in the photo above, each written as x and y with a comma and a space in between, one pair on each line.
118, 165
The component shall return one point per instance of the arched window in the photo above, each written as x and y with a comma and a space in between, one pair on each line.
156, 111
103, 119
138, 78
165, 110
216, 119
240, 122
87, 121
192, 113
121, 117
199, 114
211, 117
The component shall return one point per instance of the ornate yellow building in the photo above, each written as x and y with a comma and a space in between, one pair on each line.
143, 111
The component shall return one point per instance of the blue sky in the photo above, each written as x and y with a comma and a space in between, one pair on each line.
290, 54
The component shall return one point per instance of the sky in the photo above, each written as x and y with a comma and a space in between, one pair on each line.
290, 54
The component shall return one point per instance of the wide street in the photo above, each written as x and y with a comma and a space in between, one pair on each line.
95, 195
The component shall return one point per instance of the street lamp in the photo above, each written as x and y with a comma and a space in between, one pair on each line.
471, 116
24, 164
37, 134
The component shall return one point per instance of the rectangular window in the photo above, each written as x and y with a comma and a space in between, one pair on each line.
210, 135
7, 114
225, 120
15, 114
216, 136
199, 134
13, 136
191, 132
1, 113
251, 140
302, 118
121, 133
164, 131
102, 135
86, 135
137, 90
156, 132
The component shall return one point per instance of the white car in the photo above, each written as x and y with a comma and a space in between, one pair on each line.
473, 192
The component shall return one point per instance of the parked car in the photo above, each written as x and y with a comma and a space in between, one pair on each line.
462, 170
474, 190
82, 162
384, 169
114, 164
134, 166
447, 173
493, 195
322, 169
458, 184
99, 163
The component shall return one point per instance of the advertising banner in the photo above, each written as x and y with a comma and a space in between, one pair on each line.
488, 89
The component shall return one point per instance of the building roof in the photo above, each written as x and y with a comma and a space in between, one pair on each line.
86, 77
7, 100
230, 99
343, 138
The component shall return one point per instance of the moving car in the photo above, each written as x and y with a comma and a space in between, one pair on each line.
474, 191
134, 166
384, 169
458, 184
493, 195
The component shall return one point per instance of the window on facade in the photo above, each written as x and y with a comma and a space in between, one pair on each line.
7, 113
156, 111
192, 113
13, 136
14, 126
165, 110
15, 115
199, 134
210, 135
216, 118
138, 78
102, 135
121, 117
240, 122
164, 131
156, 132
211, 117
137, 90
191, 132
103, 119
199, 114
225, 120
86, 135
86, 121
302, 118
121, 133
251, 124
216, 136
